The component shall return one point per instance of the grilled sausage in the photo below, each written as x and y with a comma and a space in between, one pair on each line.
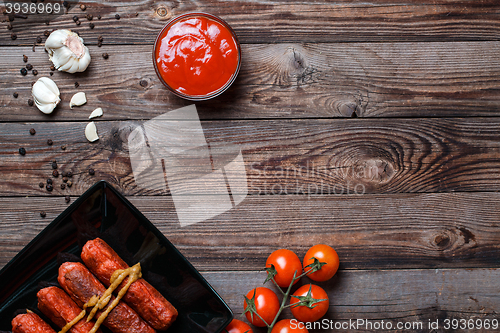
81, 285
60, 308
102, 260
30, 323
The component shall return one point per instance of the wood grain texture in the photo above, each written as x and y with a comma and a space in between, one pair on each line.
394, 296
279, 81
368, 232
260, 21
336, 156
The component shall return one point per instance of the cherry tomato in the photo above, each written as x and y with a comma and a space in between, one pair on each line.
286, 264
289, 326
237, 326
323, 253
304, 313
266, 304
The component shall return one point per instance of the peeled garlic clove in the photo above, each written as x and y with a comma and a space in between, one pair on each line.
91, 132
78, 99
96, 113
45, 94
67, 51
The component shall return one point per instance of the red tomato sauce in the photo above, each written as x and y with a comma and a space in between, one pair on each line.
197, 56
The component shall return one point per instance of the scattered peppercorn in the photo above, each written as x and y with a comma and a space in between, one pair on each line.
63, 186
49, 188
143, 83
67, 199
55, 173
24, 71
100, 39
29, 67
83, 7
15, 94
22, 151
43, 214
46, 33
77, 84
32, 131
65, 4
52, 68
117, 16
99, 43
69, 183
30, 102
13, 36
69, 174
41, 185
35, 72
25, 58
65, 179
98, 17
91, 25
78, 22
75, 18
9, 26
91, 172
50, 142
47, 22
63, 147
49, 181
51, 73
54, 165
90, 17
105, 55
39, 39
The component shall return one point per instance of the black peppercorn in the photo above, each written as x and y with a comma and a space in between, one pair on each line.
98, 17
65, 4
50, 142
99, 43
49, 181
91, 172
13, 36
75, 18
54, 165
46, 33
105, 55
90, 17
52, 68
63, 186
55, 173
143, 83
25, 58
78, 22
63, 147
67, 199
91, 25
30, 102
15, 94
24, 71
49, 188
117, 16
77, 84
83, 7
43, 214
51, 73
100, 39
39, 39
32, 131
9, 26
22, 151
65, 179
41, 185
35, 72
29, 67
69, 174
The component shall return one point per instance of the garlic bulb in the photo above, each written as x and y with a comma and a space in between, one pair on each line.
91, 132
78, 99
46, 94
67, 51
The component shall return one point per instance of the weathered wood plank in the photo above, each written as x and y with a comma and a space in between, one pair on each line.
342, 156
280, 80
413, 296
446, 230
285, 21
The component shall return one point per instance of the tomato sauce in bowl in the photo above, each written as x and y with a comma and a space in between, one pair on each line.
197, 56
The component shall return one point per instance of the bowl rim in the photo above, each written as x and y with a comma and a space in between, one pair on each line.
216, 92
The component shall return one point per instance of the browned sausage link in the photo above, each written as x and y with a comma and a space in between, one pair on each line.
81, 285
102, 260
61, 309
30, 323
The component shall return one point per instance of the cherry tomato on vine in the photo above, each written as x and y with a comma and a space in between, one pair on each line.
312, 310
289, 326
265, 302
286, 263
237, 326
325, 254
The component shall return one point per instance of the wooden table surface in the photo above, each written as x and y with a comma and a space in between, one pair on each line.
393, 104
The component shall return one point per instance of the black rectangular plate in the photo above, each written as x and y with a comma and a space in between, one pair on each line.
105, 213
